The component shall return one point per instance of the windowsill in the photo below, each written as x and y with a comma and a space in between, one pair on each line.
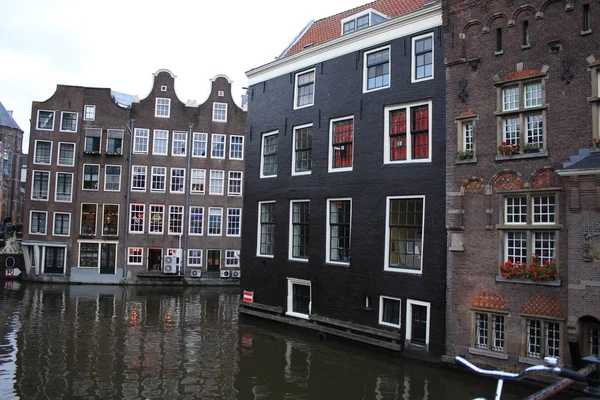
525, 46
584, 33
594, 99
300, 260
499, 52
113, 154
467, 161
555, 283
297, 315
488, 353
91, 152
543, 153
338, 263
403, 270
520, 110
531, 360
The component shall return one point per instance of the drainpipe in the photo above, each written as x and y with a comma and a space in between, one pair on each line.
129, 127
185, 226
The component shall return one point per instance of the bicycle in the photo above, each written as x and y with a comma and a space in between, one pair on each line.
589, 374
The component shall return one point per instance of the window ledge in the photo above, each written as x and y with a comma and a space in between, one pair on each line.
499, 53
521, 110
91, 152
594, 99
556, 283
525, 46
531, 360
543, 153
471, 160
113, 154
584, 33
488, 353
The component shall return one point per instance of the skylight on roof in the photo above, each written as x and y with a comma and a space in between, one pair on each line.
362, 20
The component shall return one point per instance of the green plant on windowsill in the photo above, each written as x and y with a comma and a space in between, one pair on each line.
465, 155
532, 148
596, 142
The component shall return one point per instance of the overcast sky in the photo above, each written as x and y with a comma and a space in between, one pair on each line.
119, 44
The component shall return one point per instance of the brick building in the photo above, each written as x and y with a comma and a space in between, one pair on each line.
11, 142
119, 188
345, 173
522, 179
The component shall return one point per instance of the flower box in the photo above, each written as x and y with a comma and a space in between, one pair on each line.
509, 149
465, 155
537, 271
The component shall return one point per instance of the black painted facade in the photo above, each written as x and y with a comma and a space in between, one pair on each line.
341, 292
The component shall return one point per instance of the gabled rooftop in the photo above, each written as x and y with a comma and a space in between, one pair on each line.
329, 28
6, 118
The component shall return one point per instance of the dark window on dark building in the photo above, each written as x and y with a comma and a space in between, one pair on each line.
525, 33
587, 18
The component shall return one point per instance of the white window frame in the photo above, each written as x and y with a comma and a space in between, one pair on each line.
60, 144
118, 218
413, 58
142, 210
155, 148
154, 210
193, 213
216, 114
409, 145
42, 197
381, 321
89, 110
200, 137
259, 232
35, 153
95, 219
230, 192
386, 266
45, 222
164, 189
175, 210
195, 180
366, 69
328, 259
172, 178
133, 174
230, 221
232, 259
56, 187
408, 335
232, 144
295, 131
37, 125
331, 161
222, 179
158, 108
62, 115
141, 138
197, 256
296, 87
290, 297
178, 141
106, 175
132, 258
214, 143
210, 215
262, 152
54, 224
291, 231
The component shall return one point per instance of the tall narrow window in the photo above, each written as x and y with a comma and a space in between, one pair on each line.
112, 178
90, 177
159, 177
498, 40
62, 224
177, 180
157, 216
140, 141
587, 18
161, 142
138, 178
197, 181
302, 156
199, 144
299, 226
136, 218
409, 133
234, 221
525, 34
90, 113
179, 144
175, 219
389, 311
236, 147
88, 219
64, 187
215, 221
110, 220
268, 165
217, 146
40, 185
339, 229
266, 226
377, 69
196, 220
342, 139
235, 183
305, 89
422, 58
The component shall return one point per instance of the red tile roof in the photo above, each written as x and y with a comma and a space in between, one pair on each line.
329, 28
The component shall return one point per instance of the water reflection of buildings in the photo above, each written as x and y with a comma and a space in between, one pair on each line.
114, 342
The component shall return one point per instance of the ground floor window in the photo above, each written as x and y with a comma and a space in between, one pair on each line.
299, 298
417, 322
98, 255
135, 255
232, 258
542, 338
389, 311
195, 257
489, 331
54, 260
593, 340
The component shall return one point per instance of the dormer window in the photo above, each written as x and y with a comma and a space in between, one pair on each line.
361, 21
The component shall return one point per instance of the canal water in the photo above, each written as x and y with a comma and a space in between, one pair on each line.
113, 342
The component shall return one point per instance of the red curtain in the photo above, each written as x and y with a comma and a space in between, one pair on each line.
343, 137
420, 131
398, 135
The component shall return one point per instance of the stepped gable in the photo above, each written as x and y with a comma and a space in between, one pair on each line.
489, 300
541, 305
329, 28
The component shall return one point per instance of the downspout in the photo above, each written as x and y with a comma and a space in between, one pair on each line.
130, 129
190, 149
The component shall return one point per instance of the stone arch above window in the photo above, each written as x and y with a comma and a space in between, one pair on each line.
546, 178
568, 4
523, 10
542, 305
490, 301
492, 20
472, 24
474, 185
508, 180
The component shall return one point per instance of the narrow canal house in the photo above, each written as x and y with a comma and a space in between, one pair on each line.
523, 180
120, 187
345, 179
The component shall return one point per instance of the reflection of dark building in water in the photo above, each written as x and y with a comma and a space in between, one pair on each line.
344, 217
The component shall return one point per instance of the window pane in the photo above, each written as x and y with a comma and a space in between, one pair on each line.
406, 233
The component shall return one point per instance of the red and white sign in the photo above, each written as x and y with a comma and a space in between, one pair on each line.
248, 296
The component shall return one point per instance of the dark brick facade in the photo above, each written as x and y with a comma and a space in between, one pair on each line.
339, 292
543, 42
